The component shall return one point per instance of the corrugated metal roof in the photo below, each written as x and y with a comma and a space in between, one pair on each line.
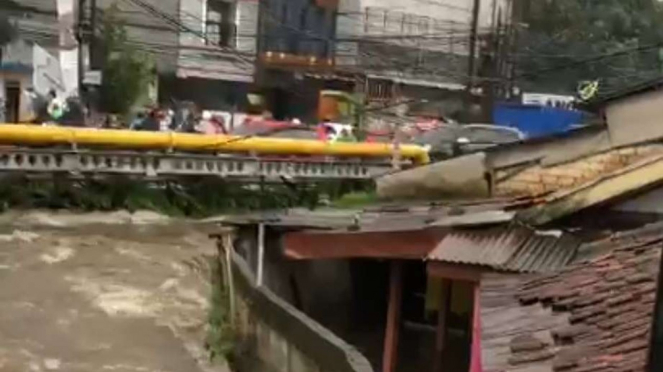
294, 218
514, 248
339, 219
376, 219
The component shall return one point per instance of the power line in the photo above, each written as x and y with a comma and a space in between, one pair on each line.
150, 9
400, 64
585, 61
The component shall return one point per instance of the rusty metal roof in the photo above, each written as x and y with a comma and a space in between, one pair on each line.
386, 217
514, 248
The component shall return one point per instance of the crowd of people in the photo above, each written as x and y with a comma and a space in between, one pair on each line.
184, 117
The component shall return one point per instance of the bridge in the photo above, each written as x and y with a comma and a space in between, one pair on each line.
87, 152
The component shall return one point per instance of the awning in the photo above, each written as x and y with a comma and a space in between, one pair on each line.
418, 82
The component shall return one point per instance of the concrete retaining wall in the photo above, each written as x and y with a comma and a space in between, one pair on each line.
273, 336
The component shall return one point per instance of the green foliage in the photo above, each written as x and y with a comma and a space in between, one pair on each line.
356, 200
127, 71
560, 33
220, 340
193, 198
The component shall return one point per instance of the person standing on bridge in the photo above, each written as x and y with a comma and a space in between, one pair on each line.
151, 122
55, 106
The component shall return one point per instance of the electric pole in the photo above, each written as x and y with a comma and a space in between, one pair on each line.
80, 36
86, 21
93, 28
472, 54
473, 44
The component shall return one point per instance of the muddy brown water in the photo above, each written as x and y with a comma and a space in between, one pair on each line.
94, 293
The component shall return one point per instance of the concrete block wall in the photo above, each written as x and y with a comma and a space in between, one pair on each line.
273, 336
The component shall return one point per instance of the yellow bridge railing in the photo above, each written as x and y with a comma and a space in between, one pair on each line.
32, 135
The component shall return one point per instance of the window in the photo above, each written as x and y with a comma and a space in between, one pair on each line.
379, 90
220, 23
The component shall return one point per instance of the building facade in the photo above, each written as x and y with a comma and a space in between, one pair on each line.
216, 53
295, 55
416, 49
204, 50
25, 69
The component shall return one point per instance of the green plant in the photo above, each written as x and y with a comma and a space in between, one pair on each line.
191, 198
127, 71
221, 340
356, 200
555, 37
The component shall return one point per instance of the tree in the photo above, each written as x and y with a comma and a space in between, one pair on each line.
127, 71
564, 42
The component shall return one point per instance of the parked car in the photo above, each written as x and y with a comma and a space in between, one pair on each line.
276, 129
453, 139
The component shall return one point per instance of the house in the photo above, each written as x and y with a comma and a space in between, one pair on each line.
423, 262
542, 255
595, 315
434, 286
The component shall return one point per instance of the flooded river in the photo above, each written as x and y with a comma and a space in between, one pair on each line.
103, 292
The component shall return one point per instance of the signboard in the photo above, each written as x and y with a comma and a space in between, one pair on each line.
542, 99
92, 78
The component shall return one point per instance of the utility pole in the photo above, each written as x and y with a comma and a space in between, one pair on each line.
81, 37
472, 57
93, 28
473, 44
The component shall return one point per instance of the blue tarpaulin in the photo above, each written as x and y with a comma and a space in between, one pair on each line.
536, 121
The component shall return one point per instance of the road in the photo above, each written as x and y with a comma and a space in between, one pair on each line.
103, 292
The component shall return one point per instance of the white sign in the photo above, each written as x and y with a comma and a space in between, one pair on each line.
542, 99
92, 78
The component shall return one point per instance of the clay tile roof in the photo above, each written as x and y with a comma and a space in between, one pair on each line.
593, 316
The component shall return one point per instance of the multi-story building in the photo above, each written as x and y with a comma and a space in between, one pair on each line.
204, 49
296, 55
414, 49
216, 52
